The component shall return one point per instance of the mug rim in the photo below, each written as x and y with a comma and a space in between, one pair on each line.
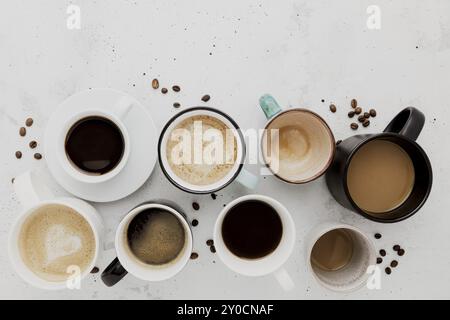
14, 251
239, 135
133, 267
330, 159
376, 136
78, 174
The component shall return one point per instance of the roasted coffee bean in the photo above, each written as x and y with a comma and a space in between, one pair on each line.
373, 112
396, 247
18, 155
164, 90
194, 255
210, 242
176, 88
366, 123
354, 103
212, 249
394, 263
38, 156
351, 114
401, 252
22, 132
95, 270
382, 252
33, 144
206, 98
176, 105
358, 110
377, 236
361, 118
195, 206
379, 260
333, 108
29, 122
366, 115
388, 270
12, 180
213, 196
194, 222
354, 126
155, 84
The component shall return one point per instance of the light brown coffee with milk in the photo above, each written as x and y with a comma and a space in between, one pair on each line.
54, 238
380, 176
333, 250
201, 150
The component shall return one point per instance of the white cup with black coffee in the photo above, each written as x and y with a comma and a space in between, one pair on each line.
254, 235
55, 242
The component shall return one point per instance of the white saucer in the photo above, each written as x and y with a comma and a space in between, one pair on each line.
143, 146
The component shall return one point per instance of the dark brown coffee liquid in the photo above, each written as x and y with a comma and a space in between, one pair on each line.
252, 229
95, 145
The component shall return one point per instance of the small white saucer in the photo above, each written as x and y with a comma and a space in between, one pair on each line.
143, 146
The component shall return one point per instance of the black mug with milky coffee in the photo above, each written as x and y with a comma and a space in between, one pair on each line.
385, 177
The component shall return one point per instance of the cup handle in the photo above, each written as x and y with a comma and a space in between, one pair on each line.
113, 273
247, 179
123, 106
269, 106
409, 123
30, 190
284, 279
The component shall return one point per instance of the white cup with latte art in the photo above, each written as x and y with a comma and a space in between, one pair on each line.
55, 242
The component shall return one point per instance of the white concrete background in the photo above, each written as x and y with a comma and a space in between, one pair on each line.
300, 51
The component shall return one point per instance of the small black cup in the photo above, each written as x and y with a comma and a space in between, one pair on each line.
403, 130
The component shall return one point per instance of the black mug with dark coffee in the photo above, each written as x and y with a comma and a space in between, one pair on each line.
384, 177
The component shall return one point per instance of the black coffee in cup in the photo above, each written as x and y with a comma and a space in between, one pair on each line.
252, 229
95, 145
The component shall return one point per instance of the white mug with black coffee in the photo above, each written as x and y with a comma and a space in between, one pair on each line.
255, 235
55, 242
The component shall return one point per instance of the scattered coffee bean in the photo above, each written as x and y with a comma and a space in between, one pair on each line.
12, 180
176, 88
38, 156
366, 115
194, 222
33, 144
373, 113
194, 255
382, 252
366, 123
206, 98
401, 252
351, 114
95, 270
354, 103
210, 242
176, 105
164, 90
212, 249
22, 132
388, 270
379, 260
338, 142
396, 247
18, 155
377, 236
155, 84
29, 122
354, 126
361, 118
358, 110
196, 206
333, 108
213, 196
394, 263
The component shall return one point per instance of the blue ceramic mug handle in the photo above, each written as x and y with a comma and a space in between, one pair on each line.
269, 106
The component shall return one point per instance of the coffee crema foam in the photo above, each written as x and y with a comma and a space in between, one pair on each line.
54, 238
203, 173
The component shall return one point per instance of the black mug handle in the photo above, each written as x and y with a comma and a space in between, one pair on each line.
113, 273
409, 123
